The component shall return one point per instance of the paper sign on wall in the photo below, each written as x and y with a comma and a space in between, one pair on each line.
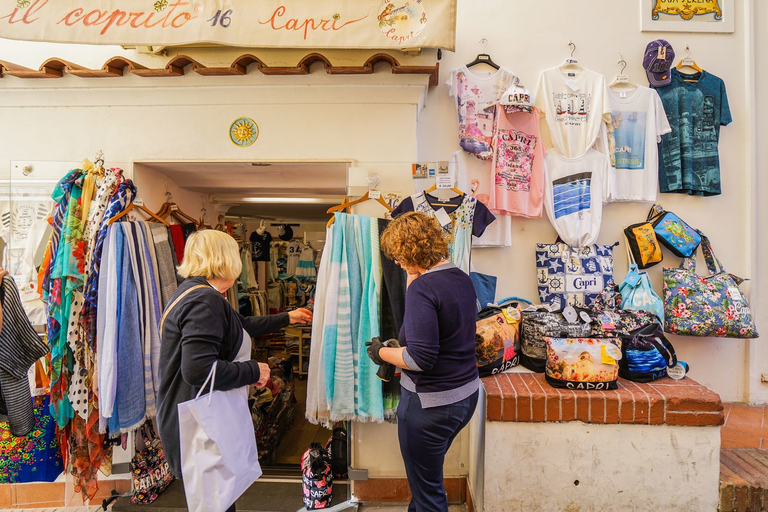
245, 23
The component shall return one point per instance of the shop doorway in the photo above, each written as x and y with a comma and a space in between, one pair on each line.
277, 212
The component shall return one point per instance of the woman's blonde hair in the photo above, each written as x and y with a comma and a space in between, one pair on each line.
415, 239
210, 254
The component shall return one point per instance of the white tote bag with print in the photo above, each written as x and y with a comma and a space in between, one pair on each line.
219, 459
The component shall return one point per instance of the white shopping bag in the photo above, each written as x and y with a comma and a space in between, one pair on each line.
219, 459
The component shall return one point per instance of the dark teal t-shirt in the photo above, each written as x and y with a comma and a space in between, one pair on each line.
688, 156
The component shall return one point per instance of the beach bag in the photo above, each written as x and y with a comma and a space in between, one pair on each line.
583, 363
485, 289
637, 293
647, 355
643, 245
497, 339
150, 473
570, 276
316, 478
539, 323
611, 320
219, 459
709, 305
673, 232
337, 452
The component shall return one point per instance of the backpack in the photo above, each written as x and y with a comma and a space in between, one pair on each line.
316, 478
337, 452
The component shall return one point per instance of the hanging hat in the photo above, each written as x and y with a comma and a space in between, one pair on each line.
657, 61
517, 99
286, 233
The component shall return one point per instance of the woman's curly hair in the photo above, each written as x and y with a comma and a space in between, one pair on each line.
415, 239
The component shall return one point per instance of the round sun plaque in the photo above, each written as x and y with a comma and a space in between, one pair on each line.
243, 132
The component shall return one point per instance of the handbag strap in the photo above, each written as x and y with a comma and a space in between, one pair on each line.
514, 298
210, 378
653, 334
176, 302
630, 258
713, 263
656, 211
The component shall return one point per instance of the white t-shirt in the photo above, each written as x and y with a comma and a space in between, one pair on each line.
476, 94
573, 195
472, 177
292, 255
637, 123
574, 104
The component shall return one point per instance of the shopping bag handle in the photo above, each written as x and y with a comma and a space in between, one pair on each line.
212, 378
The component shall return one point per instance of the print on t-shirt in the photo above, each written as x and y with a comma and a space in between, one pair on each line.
514, 159
572, 108
475, 122
572, 194
626, 139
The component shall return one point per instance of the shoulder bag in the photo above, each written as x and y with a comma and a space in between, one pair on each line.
583, 363
673, 232
647, 354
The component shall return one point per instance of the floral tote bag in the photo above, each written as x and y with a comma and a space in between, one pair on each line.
710, 305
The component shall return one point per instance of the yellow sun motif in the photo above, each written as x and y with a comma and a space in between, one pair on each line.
243, 132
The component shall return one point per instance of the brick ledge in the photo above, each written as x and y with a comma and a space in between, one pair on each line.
527, 397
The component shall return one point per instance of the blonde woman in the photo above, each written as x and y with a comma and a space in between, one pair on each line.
201, 328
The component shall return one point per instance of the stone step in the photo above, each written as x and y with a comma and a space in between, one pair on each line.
743, 480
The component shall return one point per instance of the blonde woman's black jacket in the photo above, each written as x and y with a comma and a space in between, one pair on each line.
200, 330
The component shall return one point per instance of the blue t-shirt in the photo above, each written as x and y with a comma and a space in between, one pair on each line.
688, 156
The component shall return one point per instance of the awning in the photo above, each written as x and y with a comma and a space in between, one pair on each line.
358, 24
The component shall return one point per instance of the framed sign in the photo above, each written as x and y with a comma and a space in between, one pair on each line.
687, 15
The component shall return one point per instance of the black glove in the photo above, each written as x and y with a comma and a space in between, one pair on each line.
386, 372
374, 346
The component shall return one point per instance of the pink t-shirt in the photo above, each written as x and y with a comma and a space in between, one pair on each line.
518, 165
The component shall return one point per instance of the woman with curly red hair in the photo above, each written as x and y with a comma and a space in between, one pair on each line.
436, 352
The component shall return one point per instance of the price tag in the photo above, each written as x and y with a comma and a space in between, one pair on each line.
585, 317
572, 85
138, 202
613, 351
512, 315
442, 217
443, 181
570, 314
677, 372
374, 194
605, 358
735, 294
174, 207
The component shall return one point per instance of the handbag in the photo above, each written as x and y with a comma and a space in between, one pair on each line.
647, 354
485, 289
316, 478
673, 232
583, 363
570, 276
219, 458
497, 338
706, 305
637, 293
150, 473
610, 320
541, 322
643, 244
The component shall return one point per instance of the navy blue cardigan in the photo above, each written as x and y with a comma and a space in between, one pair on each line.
201, 329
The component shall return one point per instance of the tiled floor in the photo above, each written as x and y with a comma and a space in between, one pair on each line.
746, 426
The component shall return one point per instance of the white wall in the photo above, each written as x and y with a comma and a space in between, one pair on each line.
528, 38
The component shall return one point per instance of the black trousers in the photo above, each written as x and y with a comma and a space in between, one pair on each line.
232, 508
425, 436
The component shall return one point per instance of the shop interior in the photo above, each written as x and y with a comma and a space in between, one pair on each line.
278, 217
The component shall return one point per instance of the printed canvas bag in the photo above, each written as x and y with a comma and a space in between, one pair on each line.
673, 232
540, 323
643, 244
569, 276
583, 363
497, 339
706, 305
637, 293
647, 355
316, 478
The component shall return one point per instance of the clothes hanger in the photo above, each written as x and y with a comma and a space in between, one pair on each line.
688, 62
348, 204
172, 209
434, 187
203, 223
570, 63
483, 58
622, 81
136, 203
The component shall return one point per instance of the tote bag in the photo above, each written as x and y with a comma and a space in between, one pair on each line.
571, 276
673, 232
219, 459
706, 305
